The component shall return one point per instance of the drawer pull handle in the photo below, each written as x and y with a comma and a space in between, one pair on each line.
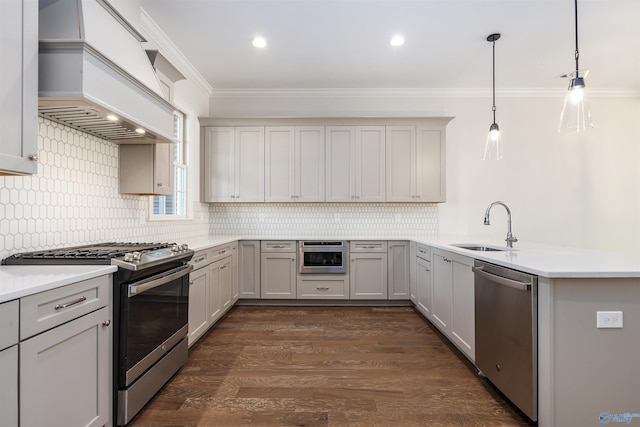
322, 288
369, 247
69, 304
221, 252
278, 246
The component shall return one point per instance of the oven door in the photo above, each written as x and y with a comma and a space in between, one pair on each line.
153, 319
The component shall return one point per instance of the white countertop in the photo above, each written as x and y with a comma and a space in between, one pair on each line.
20, 280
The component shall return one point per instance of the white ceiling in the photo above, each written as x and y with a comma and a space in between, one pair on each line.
317, 44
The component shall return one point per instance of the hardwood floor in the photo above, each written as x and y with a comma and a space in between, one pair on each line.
327, 366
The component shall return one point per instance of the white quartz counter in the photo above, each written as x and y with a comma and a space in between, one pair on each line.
540, 259
21, 280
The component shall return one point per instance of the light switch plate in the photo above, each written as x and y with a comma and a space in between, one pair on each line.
609, 319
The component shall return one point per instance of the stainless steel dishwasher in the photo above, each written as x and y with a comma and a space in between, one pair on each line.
506, 332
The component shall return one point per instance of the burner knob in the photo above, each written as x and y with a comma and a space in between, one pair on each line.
175, 248
136, 256
128, 257
184, 247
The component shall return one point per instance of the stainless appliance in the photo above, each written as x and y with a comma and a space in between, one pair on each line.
506, 332
322, 257
150, 313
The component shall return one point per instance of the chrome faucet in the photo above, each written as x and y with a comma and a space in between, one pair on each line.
510, 237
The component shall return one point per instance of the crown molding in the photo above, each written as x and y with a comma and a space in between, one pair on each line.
172, 53
415, 93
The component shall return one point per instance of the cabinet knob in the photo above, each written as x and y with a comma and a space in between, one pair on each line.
190, 282
106, 323
159, 184
34, 158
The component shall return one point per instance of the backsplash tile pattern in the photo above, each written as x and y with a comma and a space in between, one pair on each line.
335, 219
74, 200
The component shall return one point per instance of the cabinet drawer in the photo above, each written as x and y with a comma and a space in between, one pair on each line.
45, 310
8, 324
278, 246
368, 246
323, 287
424, 252
201, 259
220, 252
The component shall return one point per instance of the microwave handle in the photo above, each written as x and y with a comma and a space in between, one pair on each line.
138, 289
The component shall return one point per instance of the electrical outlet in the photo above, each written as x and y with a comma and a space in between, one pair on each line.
609, 319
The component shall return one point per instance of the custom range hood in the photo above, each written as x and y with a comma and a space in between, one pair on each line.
95, 76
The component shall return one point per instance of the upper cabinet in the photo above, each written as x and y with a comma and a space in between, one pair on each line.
415, 170
19, 87
146, 169
233, 164
294, 164
355, 168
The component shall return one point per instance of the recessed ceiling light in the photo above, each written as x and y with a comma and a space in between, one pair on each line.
140, 131
259, 42
112, 117
396, 40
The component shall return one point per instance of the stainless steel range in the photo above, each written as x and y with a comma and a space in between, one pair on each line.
150, 312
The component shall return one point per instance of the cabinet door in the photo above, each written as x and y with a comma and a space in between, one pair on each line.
198, 301
249, 164
401, 164
340, 155
226, 283
463, 313
249, 270
278, 275
216, 275
77, 357
370, 164
9, 386
413, 272
235, 291
398, 280
18, 87
279, 164
163, 169
219, 164
442, 303
309, 164
146, 169
424, 287
368, 276
430, 155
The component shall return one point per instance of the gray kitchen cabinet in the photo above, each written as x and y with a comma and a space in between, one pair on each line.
323, 286
453, 299
9, 363
19, 87
220, 282
278, 270
235, 288
368, 270
413, 255
146, 169
233, 164
424, 281
294, 164
198, 295
415, 167
398, 270
249, 269
66, 342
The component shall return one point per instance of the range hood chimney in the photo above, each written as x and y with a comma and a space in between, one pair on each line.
95, 76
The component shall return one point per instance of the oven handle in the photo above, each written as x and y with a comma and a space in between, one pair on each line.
522, 286
138, 289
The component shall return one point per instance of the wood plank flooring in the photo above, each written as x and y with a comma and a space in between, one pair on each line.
327, 366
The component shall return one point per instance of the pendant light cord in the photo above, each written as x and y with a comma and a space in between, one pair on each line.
493, 108
577, 54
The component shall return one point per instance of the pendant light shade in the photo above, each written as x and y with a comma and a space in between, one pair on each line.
576, 114
493, 145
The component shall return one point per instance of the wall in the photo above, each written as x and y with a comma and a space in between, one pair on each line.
565, 189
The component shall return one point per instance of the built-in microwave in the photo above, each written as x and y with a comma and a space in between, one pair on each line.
322, 257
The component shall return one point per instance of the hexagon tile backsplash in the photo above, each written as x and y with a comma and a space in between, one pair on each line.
74, 200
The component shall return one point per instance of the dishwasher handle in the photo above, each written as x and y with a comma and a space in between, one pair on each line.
521, 286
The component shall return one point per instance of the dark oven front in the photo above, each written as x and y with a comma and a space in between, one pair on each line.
322, 257
152, 331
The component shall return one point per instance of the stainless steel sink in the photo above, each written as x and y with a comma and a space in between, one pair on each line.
478, 247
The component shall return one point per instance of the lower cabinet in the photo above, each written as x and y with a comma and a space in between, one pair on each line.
9, 319
66, 355
198, 303
368, 270
424, 288
278, 275
453, 299
249, 269
398, 270
413, 289
323, 286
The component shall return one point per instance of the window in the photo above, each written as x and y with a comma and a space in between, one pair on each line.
175, 206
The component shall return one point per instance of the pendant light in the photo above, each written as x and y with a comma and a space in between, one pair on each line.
493, 146
576, 115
